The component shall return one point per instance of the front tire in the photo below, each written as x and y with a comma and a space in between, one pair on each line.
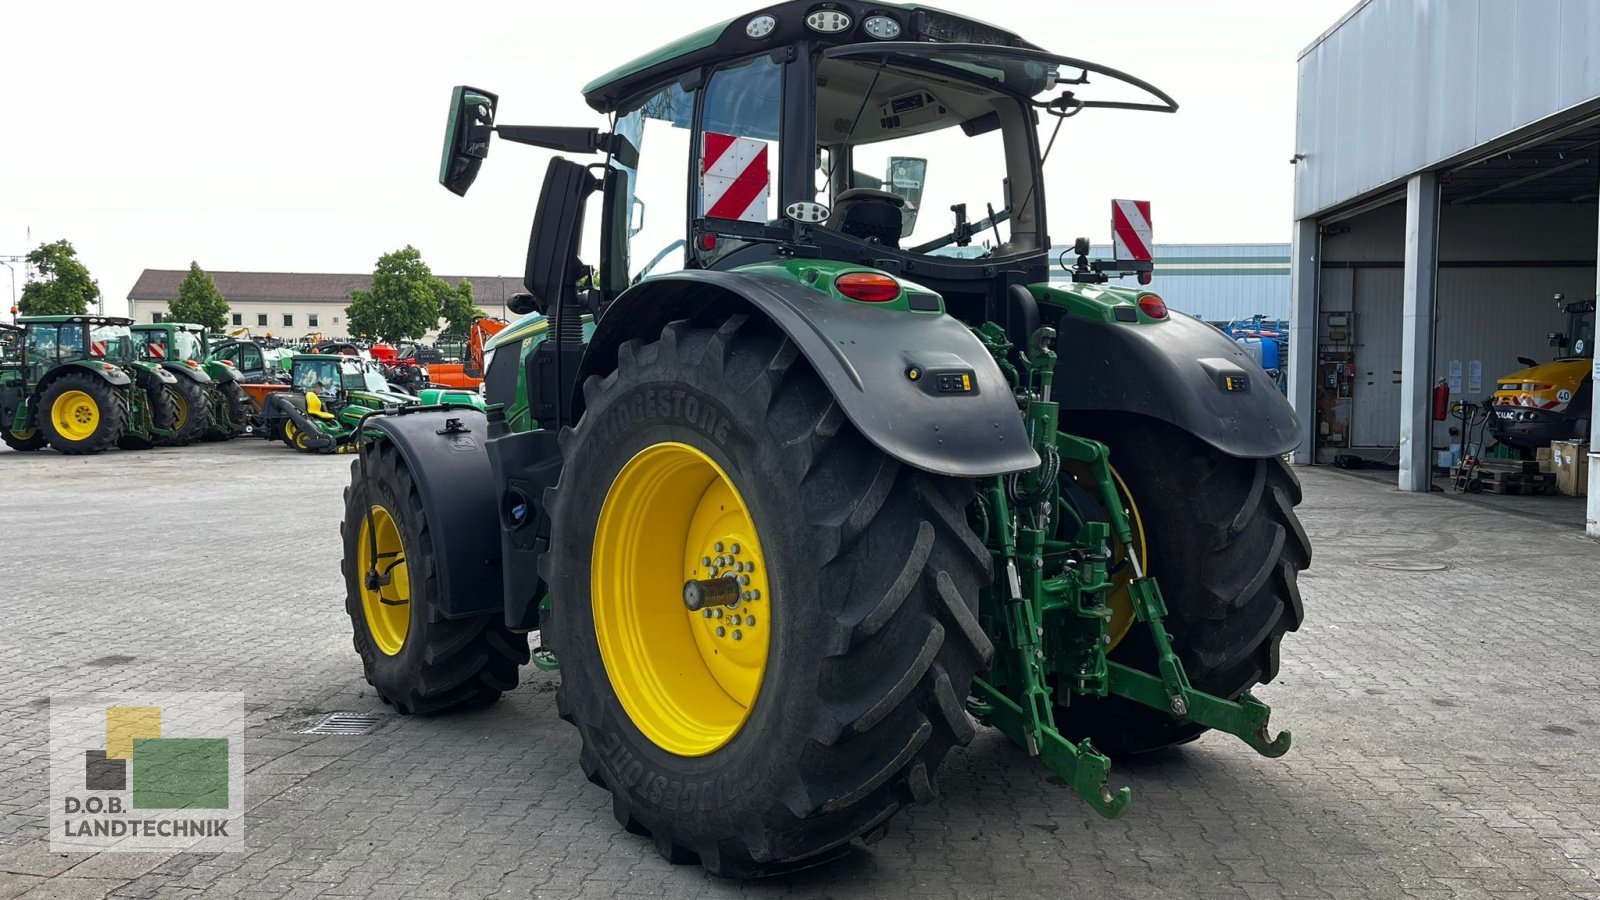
81, 414
869, 613
237, 404
24, 441
1224, 544
163, 414
416, 659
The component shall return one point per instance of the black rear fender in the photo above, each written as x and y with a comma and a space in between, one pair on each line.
1180, 371
862, 353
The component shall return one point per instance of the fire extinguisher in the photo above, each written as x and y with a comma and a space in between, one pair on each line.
1441, 401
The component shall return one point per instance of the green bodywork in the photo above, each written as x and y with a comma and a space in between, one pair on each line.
349, 389
24, 378
531, 331
189, 347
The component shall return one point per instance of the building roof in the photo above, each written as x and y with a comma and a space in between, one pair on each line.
245, 287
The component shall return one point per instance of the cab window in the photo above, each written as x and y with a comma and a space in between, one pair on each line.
738, 158
41, 350
648, 217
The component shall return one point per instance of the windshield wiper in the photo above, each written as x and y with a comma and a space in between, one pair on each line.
964, 230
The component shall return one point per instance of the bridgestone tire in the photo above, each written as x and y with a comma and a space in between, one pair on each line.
33, 441
196, 398
1226, 548
444, 663
112, 405
874, 590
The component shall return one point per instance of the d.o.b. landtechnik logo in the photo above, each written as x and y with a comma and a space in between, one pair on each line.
157, 771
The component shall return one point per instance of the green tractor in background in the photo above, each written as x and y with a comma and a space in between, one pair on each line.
78, 386
331, 394
211, 406
840, 470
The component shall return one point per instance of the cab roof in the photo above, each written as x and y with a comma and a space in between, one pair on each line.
88, 320
728, 40
184, 326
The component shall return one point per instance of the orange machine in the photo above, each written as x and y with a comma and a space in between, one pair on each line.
469, 374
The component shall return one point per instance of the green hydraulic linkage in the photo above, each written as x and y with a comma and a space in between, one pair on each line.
1048, 615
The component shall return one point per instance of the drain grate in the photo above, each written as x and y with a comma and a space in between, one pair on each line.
346, 723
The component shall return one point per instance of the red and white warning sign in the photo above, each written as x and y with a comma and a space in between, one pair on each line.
158, 351
1130, 229
97, 348
734, 178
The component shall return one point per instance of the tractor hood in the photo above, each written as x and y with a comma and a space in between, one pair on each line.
1550, 385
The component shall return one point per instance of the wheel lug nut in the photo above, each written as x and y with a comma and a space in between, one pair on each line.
721, 632
735, 620
755, 594
750, 621
750, 566
705, 613
717, 612
705, 560
734, 548
717, 546
737, 635
744, 579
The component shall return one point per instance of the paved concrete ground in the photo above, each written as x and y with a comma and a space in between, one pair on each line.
1441, 694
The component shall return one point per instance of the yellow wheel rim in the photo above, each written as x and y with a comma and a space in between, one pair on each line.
1120, 603
387, 606
294, 435
75, 415
687, 679
183, 410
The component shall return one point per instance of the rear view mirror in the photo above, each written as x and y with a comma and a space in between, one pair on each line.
905, 178
466, 137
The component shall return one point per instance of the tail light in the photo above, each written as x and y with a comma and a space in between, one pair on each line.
1153, 306
868, 287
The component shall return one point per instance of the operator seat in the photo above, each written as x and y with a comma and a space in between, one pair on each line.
314, 407
870, 215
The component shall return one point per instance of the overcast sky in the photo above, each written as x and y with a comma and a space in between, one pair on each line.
298, 136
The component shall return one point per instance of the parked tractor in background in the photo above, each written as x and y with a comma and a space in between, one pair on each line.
839, 468
330, 395
1551, 401
211, 404
79, 387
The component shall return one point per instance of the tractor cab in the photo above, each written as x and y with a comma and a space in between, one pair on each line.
909, 142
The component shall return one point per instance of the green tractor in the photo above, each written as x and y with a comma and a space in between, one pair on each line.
211, 405
840, 473
78, 386
332, 393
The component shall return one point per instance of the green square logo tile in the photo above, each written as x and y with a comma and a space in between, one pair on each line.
180, 773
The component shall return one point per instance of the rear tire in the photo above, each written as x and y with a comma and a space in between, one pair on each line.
440, 664
110, 414
1227, 549
191, 412
872, 609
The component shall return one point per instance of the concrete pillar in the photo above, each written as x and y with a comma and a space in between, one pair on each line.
1305, 258
1416, 342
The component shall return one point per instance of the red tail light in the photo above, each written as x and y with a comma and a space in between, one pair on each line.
868, 287
1153, 306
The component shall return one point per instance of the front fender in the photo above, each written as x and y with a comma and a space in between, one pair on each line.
864, 355
456, 489
1176, 370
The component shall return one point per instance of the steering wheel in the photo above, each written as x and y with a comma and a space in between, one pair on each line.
655, 260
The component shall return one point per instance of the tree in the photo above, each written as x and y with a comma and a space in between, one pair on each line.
458, 310
63, 286
199, 302
404, 301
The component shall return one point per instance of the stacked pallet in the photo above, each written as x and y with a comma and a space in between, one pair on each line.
1512, 476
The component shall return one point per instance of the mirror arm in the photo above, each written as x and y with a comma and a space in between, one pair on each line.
561, 138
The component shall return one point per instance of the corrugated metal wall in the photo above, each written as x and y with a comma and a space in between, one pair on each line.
1403, 85
1216, 282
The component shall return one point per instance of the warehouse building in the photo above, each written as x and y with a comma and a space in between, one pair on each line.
1447, 161
1219, 283
293, 304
